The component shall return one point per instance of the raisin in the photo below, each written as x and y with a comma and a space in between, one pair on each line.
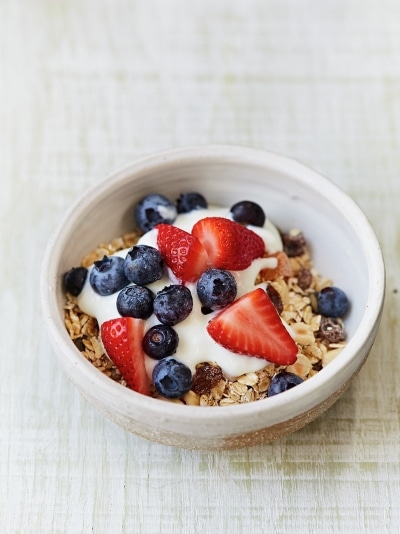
79, 344
331, 330
206, 377
275, 297
304, 278
317, 366
294, 243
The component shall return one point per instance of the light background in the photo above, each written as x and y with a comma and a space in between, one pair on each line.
87, 86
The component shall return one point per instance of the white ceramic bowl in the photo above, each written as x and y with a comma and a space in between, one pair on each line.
344, 247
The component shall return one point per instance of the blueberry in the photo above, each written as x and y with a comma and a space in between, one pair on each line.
172, 378
143, 265
135, 301
107, 275
216, 288
173, 304
74, 280
248, 212
154, 209
332, 302
283, 381
160, 341
190, 201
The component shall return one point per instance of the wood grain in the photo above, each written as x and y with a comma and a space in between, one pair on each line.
86, 86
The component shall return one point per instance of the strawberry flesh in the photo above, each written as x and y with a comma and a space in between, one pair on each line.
122, 340
182, 252
229, 245
251, 326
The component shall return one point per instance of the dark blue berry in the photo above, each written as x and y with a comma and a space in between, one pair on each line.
135, 301
171, 378
173, 304
107, 276
332, 302
154, 209
160, 341
74, 280
143, 265
190, 201
216, 288
283, 381
248, 212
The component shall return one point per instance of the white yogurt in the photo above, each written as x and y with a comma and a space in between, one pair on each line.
195, 344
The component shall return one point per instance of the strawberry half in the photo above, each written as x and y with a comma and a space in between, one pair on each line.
122, 340
182, 252
252, 326
229, 245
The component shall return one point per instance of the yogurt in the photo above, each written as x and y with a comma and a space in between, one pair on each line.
195, 344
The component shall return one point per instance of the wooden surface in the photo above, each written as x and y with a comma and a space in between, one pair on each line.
85, 87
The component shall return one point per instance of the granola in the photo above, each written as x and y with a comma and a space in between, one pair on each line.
319, 341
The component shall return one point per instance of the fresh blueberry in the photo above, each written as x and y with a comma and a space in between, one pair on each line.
75, 279
332, 302
190, 201
173, 304
283, 381
143, 265
135, 301
216, 288
248, 212
160, 341
154, 209
107, 276
172, 378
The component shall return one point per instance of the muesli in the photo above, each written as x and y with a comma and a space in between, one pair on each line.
289, 282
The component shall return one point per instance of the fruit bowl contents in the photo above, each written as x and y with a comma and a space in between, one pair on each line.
204, 305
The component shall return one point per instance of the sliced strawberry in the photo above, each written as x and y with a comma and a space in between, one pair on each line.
283, 268
251, 326
122, 340
182, 252
229, 245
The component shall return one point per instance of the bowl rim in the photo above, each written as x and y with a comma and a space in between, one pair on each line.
284, 404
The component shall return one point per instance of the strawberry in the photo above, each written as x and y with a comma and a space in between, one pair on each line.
283, 268
122, 340
229, 245
182, 252
252, 326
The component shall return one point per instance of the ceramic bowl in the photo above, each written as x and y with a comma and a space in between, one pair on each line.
343, 244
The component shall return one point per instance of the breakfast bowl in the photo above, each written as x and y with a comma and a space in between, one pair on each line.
343, 247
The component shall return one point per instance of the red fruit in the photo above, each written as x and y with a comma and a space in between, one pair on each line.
252, 326
122, 340
182, 252
229, 245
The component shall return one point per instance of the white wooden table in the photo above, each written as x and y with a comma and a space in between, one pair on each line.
85, 87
